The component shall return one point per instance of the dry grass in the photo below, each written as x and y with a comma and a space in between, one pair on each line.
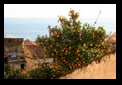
106, 69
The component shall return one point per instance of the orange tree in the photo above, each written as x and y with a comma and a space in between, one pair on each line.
73, 43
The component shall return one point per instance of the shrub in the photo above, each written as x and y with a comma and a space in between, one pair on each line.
12, 73
73, 44
48, 72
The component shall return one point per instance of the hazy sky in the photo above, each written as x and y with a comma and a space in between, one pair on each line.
53, 10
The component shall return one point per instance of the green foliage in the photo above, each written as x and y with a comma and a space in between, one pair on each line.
12, 73
73, 44
47, 72
7, 71
41, 40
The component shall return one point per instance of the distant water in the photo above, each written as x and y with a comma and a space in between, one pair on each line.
30, 28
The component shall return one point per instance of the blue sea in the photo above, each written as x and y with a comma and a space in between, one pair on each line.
29, 28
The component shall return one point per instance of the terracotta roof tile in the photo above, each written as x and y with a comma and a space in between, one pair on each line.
29, 42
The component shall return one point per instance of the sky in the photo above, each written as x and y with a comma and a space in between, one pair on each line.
55, 10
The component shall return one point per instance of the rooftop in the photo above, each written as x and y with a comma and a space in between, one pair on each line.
5, 36
29, 42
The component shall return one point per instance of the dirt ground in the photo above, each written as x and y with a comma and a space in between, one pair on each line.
106, 69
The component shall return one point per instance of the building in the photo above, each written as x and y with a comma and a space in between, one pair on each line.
13, 44
17, 63
112, 40
13, 51
34, 54
23, 54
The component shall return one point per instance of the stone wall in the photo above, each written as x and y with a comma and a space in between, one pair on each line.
106, 69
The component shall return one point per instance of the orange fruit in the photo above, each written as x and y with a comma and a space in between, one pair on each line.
96, 45
93, 35
80, 39
78, 54
62, 50
70, 47
55, 32
52, 54
74, 30
91, 45
80, 34
76, 58
57, 35
78, 50
98, 48
78, 64
102, 43
102, 36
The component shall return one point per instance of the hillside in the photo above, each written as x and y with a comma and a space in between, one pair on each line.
105, 69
